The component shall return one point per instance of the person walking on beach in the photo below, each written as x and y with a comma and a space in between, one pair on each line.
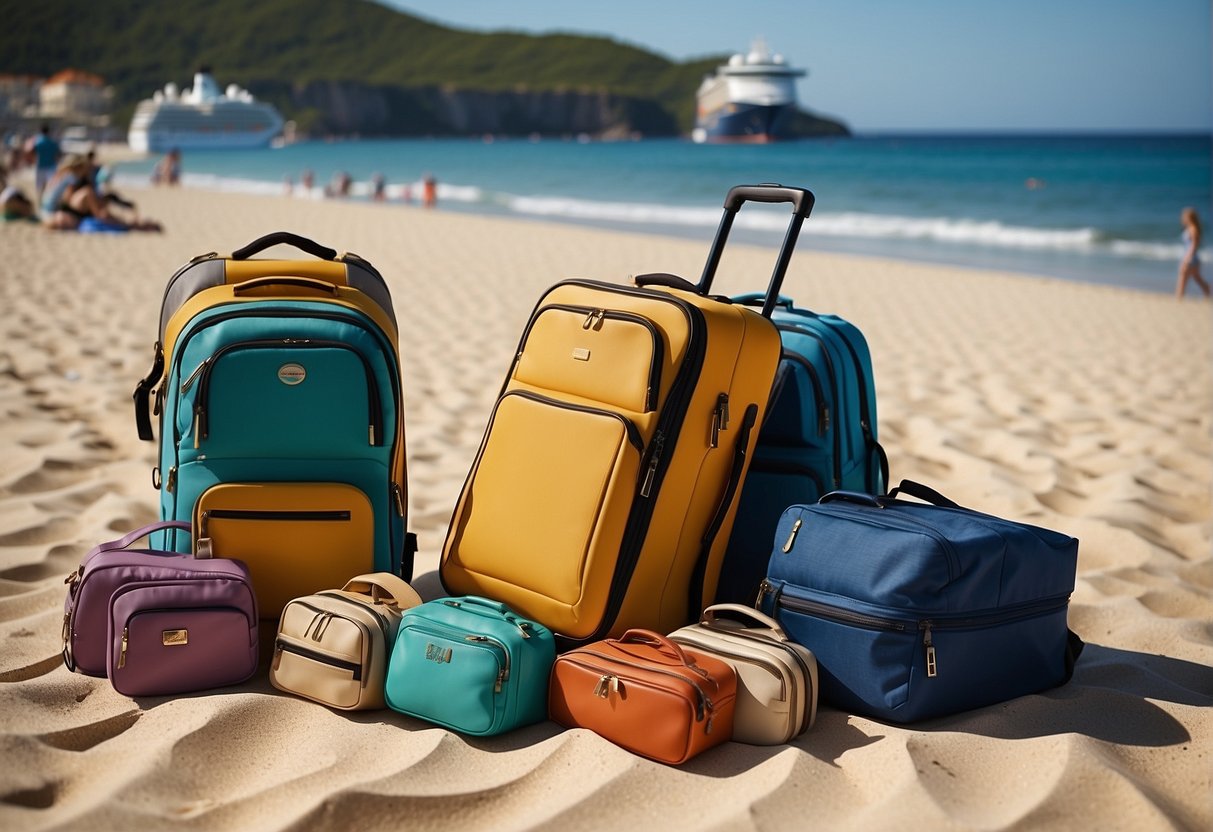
1189, 266
168, 169
45, 152
429, 191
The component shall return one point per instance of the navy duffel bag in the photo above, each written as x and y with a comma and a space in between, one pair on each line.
916, 610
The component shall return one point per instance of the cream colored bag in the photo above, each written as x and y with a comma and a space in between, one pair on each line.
333, 646
776, 678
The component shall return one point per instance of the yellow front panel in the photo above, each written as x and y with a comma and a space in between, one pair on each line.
606, 359
295, 538
542, 522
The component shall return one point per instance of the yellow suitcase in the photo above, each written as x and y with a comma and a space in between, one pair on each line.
604, 490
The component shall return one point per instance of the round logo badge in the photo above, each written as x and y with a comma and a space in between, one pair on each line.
291, 374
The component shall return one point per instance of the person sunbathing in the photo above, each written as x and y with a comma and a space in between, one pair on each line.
71, 199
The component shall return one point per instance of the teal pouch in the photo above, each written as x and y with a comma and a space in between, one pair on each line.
471, 665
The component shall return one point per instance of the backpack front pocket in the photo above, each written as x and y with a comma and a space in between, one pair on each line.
282, 397
295, 538
561, 479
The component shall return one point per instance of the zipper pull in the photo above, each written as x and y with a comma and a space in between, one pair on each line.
707, 729
398, 499
594, 319
122, 655
196, 428
500, 680
654, 459
523, 627
170, 484
189, 382
823, 424
601, 690
787, 547
926, 641
720, 418
67, 628
763, 589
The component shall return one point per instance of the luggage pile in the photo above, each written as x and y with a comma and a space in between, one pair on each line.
675, 531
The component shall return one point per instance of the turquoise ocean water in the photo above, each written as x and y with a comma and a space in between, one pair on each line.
1095, 208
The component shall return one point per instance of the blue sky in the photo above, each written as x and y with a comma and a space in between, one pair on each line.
924, 64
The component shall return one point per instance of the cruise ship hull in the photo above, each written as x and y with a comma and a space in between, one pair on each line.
740, 122
163, 141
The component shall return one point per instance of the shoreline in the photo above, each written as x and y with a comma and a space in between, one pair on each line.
1079, 407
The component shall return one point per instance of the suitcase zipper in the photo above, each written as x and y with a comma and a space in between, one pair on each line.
823, 407
829, 363
281, 645
593, 320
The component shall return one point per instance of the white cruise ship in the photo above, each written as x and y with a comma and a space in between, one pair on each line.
748, 99
202, 117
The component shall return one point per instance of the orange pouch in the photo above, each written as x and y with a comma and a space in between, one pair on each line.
647, 694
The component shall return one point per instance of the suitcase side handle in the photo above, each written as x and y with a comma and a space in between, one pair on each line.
802, 204
285, 237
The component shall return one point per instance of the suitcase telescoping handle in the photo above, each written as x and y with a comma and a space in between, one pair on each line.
802, 205
284, 238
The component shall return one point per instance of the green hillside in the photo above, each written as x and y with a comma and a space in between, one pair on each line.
138, 45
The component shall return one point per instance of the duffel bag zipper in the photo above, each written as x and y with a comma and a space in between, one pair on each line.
978, 622
923, 625
354, 667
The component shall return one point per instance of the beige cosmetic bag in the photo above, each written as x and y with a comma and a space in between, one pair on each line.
333, 646
776, 678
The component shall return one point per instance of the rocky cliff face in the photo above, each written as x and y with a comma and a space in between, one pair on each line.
345, 108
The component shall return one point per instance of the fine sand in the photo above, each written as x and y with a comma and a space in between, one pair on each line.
1077, 407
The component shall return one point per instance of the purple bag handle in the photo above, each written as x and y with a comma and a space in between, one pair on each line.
123, 542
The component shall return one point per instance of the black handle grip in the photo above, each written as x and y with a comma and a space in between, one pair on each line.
922, 492
857, 497
802, 200
285, 237
670, 281
802, 203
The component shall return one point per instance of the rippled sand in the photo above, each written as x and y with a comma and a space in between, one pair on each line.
1077, 407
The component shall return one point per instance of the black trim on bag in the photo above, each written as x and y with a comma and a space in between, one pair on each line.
288, 515
740, 451
316, 656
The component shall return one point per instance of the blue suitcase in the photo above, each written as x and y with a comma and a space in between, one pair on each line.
917, 610
819, 435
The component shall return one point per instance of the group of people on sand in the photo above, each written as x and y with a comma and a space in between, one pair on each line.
72, 192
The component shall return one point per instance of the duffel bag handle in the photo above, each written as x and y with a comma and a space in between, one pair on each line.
286, 280
384, 586
284, 237
152, 528
640, 636
922, 492
747, 614
857, 497
802, 205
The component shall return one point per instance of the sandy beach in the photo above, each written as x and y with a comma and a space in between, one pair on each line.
1082, 408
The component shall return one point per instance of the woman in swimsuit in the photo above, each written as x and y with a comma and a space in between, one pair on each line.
1189, 266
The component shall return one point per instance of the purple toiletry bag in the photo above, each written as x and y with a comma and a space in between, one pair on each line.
159, 623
